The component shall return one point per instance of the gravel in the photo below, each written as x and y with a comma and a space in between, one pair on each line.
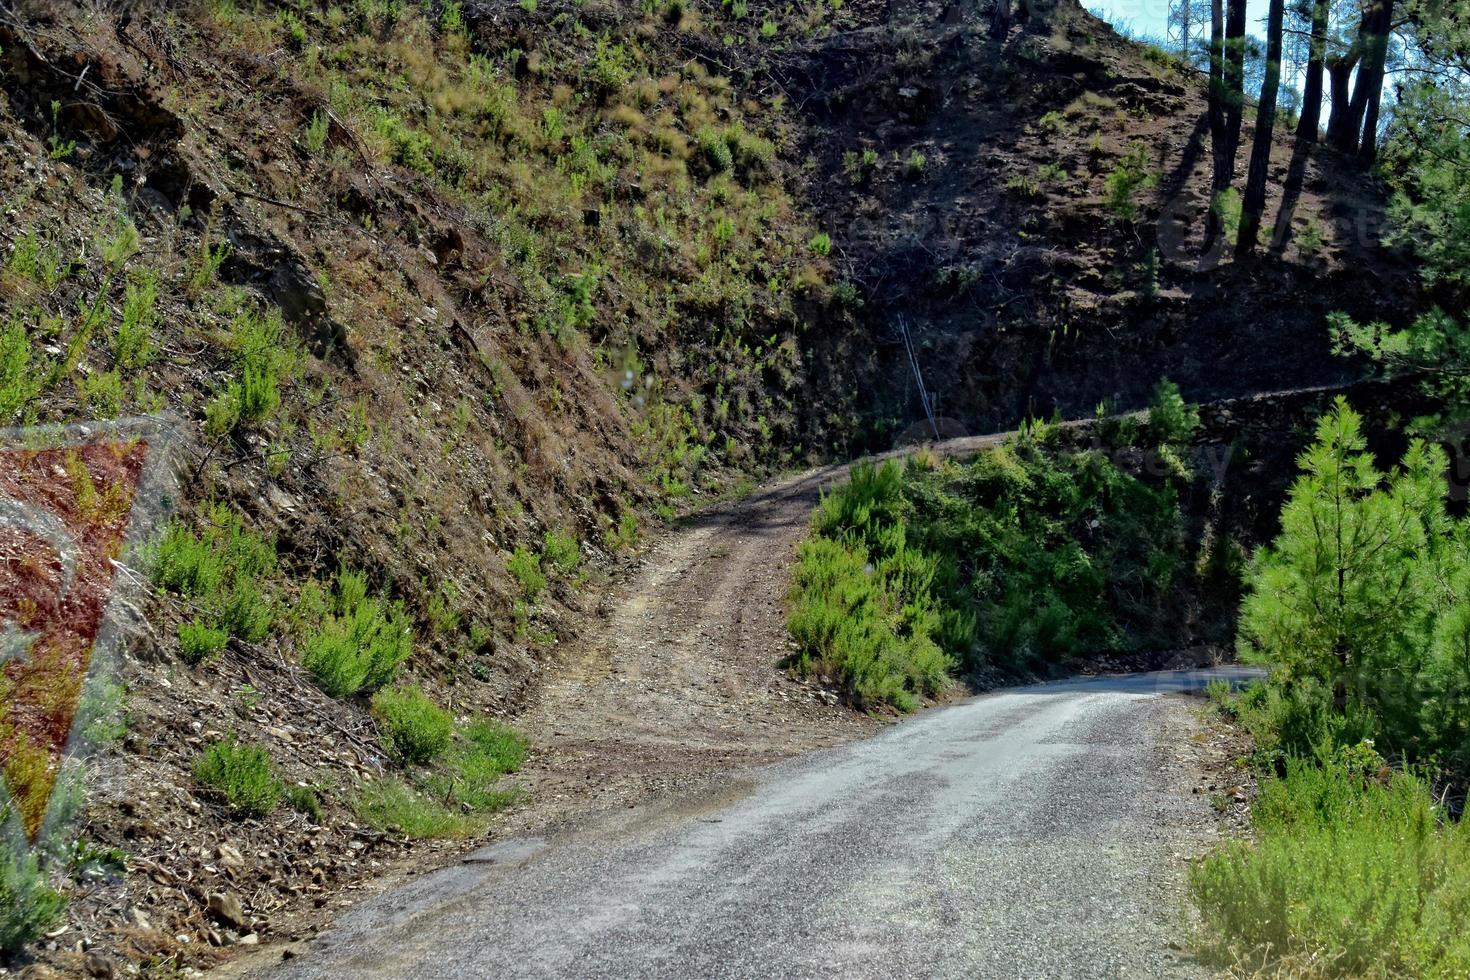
1033, 832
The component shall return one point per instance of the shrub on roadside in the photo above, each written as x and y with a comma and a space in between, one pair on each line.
1023, 559
360, 642
1353, 871
242, 775
29, 906
418, 730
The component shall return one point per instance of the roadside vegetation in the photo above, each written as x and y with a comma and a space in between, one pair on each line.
1359, 860
1025, 559
1359, 855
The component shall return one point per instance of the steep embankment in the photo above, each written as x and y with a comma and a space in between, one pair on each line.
460, 296
1035, 211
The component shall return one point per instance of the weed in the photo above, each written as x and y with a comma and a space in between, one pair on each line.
1227, 207
60, 148
1129, 176
525, 568
858, 167
22, 376
220, 569
624, 536
29, 906
821, 244
199, 641
391, 804
915, 164
304, 800
242, 775
360, 642
263, 361
317, 131
204, 265
132, 344
561, 552
418, 730
1350, 867
442, 611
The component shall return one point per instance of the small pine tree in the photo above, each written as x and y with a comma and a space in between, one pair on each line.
1345, 599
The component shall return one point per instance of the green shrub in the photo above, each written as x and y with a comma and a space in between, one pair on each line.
317, 131
22, 376
1023, 559
483, 753
915, 164
199, 641
242, 775
821, 243
304, 800
29, 906
133, 344
715, 149
525, 568
418, 730
561, 551
360, 642
264, 360
1171, 420
1352, 871
624, 535
1131, 175
220, 569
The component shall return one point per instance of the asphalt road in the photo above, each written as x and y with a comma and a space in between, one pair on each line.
1035, 832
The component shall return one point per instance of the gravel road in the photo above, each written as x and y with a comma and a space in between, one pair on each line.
1035, 832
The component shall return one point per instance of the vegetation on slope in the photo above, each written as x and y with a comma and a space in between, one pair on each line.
1032, 557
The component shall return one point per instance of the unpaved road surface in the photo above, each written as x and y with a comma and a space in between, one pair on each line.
1037, 832
679, 682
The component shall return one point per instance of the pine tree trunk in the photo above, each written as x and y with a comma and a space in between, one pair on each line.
1370, 78
1234, 87
1254, 202
1216, 112
1311, 118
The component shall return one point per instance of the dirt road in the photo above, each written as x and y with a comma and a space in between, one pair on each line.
679, 683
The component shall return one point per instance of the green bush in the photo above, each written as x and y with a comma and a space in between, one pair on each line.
418, 730
242, 775
1171, 420
29, 906
303, 800
1131, 175
1025, 558
525, 568
220, 570
22, 377
264, 360
1353, 871
199, 641
561, 551
483, 753
360, 642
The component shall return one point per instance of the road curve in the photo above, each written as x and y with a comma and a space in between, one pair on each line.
1034, 832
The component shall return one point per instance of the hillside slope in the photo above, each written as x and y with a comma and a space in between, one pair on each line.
460, 297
